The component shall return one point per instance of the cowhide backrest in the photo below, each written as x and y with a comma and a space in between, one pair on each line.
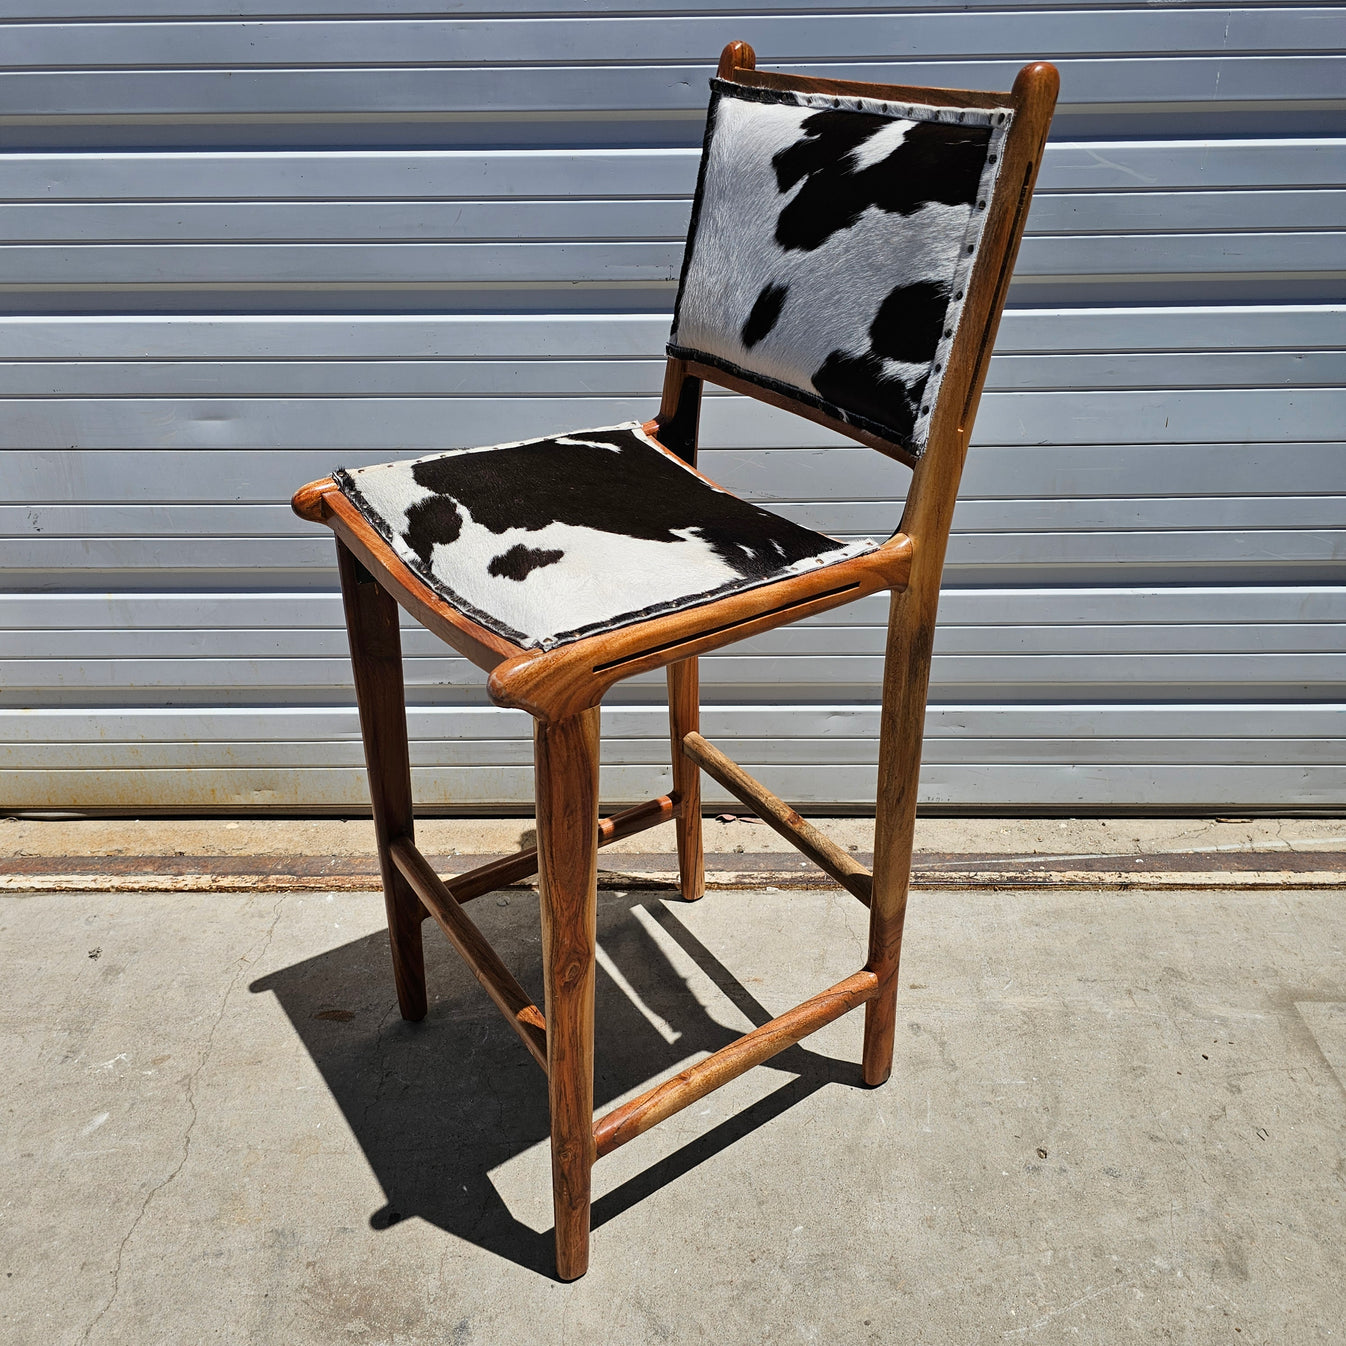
831, 245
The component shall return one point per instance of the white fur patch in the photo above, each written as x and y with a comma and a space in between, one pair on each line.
598, 575
881, 144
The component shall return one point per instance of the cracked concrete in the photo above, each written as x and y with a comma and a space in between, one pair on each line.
204, 1056
1112, 1118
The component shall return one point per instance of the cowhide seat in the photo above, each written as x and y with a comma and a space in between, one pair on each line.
550, 540
850, 250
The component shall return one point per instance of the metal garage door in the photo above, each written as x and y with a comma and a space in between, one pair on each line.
234, 250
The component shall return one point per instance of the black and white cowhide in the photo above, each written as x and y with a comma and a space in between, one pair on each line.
831, 244
549, 540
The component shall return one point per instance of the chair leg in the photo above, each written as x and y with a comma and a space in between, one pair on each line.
905, 679
567, 841
684, 717
376, 661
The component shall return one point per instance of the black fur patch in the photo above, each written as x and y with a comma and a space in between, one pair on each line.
936, 162
431, 521
519, 562
764, 314
910, 322
857, 384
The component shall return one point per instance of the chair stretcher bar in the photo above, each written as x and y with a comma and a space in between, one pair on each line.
824, 853
501, 873
511, 999
444, 902
655, 1105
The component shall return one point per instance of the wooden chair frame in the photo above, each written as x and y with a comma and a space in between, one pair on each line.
563, 687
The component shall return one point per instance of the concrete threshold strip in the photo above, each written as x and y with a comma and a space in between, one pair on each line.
1221, 868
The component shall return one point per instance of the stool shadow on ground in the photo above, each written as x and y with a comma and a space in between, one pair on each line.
437, 1106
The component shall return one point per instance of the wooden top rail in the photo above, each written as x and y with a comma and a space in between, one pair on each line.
511, 868
652, 1107
511, 999
819, 848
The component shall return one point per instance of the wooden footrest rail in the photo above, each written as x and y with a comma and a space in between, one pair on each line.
444, 902
512, 868
511, 999
824, 853
652, 1107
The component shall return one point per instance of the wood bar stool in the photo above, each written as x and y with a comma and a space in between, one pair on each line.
849, 254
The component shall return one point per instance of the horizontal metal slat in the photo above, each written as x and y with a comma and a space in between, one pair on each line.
668, 39
1187, 786
627, 377
769, 754
589, 336
987, 722
359, 430
243, 91
833, 516
1138, 675
439, 265
1262, 606
386, 223
1082, 170
268, 476
1026, 642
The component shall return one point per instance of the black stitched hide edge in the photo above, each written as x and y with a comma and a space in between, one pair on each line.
798, 394
414, 563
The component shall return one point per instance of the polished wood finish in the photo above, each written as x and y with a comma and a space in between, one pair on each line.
735, 58
511, 868
376, 663
927, 519
819, 848
562, 689
566, 752
510, 998
633, 1118
684, 717
555, 684
679, 420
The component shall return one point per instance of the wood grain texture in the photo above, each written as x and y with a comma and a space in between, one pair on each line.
567, 824
684, 717
510, 998
927, 519
678, 423
819, 848
736, 57
376, 664
558, 683
511, 868
683, 1089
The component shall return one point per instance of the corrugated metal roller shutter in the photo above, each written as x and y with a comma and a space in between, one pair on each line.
236, 247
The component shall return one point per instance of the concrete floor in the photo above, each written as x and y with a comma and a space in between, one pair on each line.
1114, 1117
